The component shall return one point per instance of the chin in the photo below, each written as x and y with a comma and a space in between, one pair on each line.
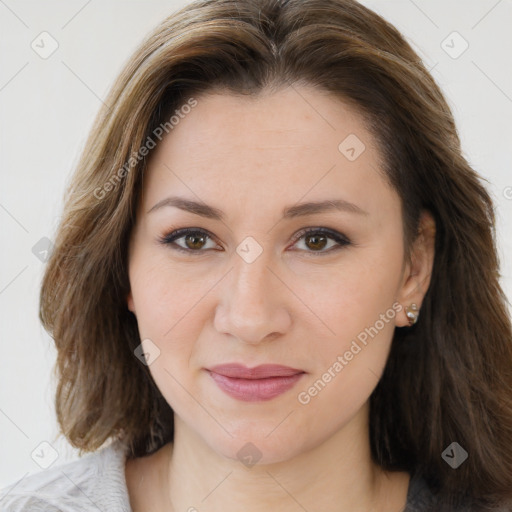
252, 444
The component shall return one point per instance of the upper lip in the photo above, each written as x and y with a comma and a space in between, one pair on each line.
240, 371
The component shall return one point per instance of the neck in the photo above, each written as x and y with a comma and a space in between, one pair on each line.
337, 475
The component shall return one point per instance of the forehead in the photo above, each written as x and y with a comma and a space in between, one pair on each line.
275, 147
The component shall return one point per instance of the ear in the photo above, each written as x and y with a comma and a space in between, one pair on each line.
129, 301
418, 271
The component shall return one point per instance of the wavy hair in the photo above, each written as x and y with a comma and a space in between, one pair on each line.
448, 378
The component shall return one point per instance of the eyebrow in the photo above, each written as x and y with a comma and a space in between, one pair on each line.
298, 210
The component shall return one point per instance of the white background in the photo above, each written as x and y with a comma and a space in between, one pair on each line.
47, 107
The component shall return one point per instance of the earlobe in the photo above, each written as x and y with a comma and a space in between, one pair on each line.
418, 272
412, 312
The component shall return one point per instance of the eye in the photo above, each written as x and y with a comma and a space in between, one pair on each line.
315, 240
193, 240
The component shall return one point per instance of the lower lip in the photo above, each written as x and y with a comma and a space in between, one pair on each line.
254, 390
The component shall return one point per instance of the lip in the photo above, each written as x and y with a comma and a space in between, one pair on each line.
263, 382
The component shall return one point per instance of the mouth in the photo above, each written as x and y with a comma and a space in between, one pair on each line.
260, 383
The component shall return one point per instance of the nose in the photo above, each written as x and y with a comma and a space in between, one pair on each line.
253, 302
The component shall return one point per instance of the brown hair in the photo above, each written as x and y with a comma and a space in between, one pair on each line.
448, 378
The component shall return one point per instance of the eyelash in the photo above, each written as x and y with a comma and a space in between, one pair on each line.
340, 239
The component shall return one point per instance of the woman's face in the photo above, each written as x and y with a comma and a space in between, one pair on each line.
247, 286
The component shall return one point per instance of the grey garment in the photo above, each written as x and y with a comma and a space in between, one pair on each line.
421, 499
419, 496
97, 483
93, 483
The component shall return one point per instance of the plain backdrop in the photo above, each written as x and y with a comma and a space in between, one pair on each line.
47, 106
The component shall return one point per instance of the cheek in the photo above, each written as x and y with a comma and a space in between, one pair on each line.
164, 299
172, 309
358, 305
352, 296
168, 313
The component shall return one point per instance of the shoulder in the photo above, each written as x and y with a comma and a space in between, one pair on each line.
420, 498
94, 482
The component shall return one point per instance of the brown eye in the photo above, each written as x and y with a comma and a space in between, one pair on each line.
195, 242
321, 240
189, 240
316, 242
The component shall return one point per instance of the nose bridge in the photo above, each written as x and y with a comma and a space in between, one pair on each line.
250, 284
250, 307
250, 272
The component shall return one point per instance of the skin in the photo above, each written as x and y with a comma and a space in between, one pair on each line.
250, 158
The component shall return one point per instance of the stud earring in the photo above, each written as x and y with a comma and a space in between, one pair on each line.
412, 313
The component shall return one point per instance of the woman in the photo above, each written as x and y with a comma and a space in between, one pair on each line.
275, 283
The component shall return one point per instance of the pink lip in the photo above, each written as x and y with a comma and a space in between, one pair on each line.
263, 382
